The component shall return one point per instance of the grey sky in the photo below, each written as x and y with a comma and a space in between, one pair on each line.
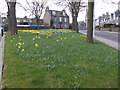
100, 8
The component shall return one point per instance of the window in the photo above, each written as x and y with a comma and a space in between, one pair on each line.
24, 20
65, 19
3, 20
53, 12
64, 14
60, 19
18, 20
66, 26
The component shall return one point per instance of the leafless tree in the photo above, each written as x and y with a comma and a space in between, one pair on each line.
74, 6
11, 16
35, 8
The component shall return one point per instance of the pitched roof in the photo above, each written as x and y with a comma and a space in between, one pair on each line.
58, 13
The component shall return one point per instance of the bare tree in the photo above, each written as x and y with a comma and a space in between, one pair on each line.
35, 8
11, 16
90, 21
74, 6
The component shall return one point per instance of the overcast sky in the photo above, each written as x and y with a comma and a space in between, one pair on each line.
101, 6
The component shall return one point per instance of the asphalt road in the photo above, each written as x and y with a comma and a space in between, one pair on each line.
114, 36
109, 35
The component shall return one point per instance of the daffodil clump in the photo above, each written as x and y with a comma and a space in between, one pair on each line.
50, 31
38, 37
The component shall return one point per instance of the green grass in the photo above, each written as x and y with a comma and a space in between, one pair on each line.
55, 63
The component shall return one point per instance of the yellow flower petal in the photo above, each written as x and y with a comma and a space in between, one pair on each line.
36, 45
22, 50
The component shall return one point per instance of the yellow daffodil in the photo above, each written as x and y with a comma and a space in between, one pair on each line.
19, 43
11, 40
65, 38
22, 50
60, 38
23, 43
19, 47
36, 45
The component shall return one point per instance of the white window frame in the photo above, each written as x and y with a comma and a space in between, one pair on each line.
64, 14
24, 20
53, 12
65, 19
65, 26
60, 19
18, 20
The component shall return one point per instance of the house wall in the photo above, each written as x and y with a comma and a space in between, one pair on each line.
60, 24
47, 19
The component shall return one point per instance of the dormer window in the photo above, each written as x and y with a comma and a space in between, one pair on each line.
53, 12
64, 14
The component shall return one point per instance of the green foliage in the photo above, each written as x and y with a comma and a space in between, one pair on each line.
61, 60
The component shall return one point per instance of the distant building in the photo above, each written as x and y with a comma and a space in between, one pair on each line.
82, 25
28, 21
56, 19
109, 18
23, 21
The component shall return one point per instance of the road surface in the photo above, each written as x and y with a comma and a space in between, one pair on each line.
110, 38
109, 35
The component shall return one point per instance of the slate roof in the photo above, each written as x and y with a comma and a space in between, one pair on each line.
58, 13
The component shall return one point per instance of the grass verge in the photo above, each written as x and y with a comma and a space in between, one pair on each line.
58, 59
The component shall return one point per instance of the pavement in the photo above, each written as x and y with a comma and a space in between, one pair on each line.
109, 38
1, 57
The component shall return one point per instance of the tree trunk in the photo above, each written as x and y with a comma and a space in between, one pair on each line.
37, 19
11, 18
90, 22
13, 22
73, 24
76, 24
8, 16
8, 20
